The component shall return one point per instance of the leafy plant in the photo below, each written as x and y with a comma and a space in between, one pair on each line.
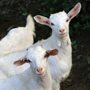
88, 58
74, 44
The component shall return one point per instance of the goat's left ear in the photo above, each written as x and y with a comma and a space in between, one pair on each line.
74, 12
42, 20
51, 52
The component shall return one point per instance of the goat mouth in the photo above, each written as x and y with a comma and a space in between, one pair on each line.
40, 73
63, 34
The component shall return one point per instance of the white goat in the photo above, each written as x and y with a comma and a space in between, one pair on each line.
59, 23
37, 77
18, 38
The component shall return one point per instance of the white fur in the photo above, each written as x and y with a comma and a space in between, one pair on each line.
60, 65
30, 80
13, 47
7, 67
39, 82
18, 38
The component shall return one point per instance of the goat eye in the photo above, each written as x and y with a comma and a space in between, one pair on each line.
29, 61
67, 20
52, 23
46, 55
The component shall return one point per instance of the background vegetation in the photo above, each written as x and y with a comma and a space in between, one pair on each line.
13, 13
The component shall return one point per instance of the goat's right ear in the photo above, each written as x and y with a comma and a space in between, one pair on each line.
42, 20
21, 62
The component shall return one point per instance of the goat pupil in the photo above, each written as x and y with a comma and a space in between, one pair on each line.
67, 20
52, 23
46, 55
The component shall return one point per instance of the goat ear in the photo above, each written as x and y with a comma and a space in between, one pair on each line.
21, 62
51, 52
74, 12
42, 20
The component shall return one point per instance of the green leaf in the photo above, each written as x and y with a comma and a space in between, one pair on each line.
88, 59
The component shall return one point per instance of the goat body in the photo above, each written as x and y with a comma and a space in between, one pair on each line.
18, 39
60, 65
32, 79
13, 47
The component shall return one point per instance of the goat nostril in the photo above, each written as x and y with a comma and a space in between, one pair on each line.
39, 69
62, 30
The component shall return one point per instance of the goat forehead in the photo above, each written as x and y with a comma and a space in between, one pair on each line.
37, 52
58, 17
